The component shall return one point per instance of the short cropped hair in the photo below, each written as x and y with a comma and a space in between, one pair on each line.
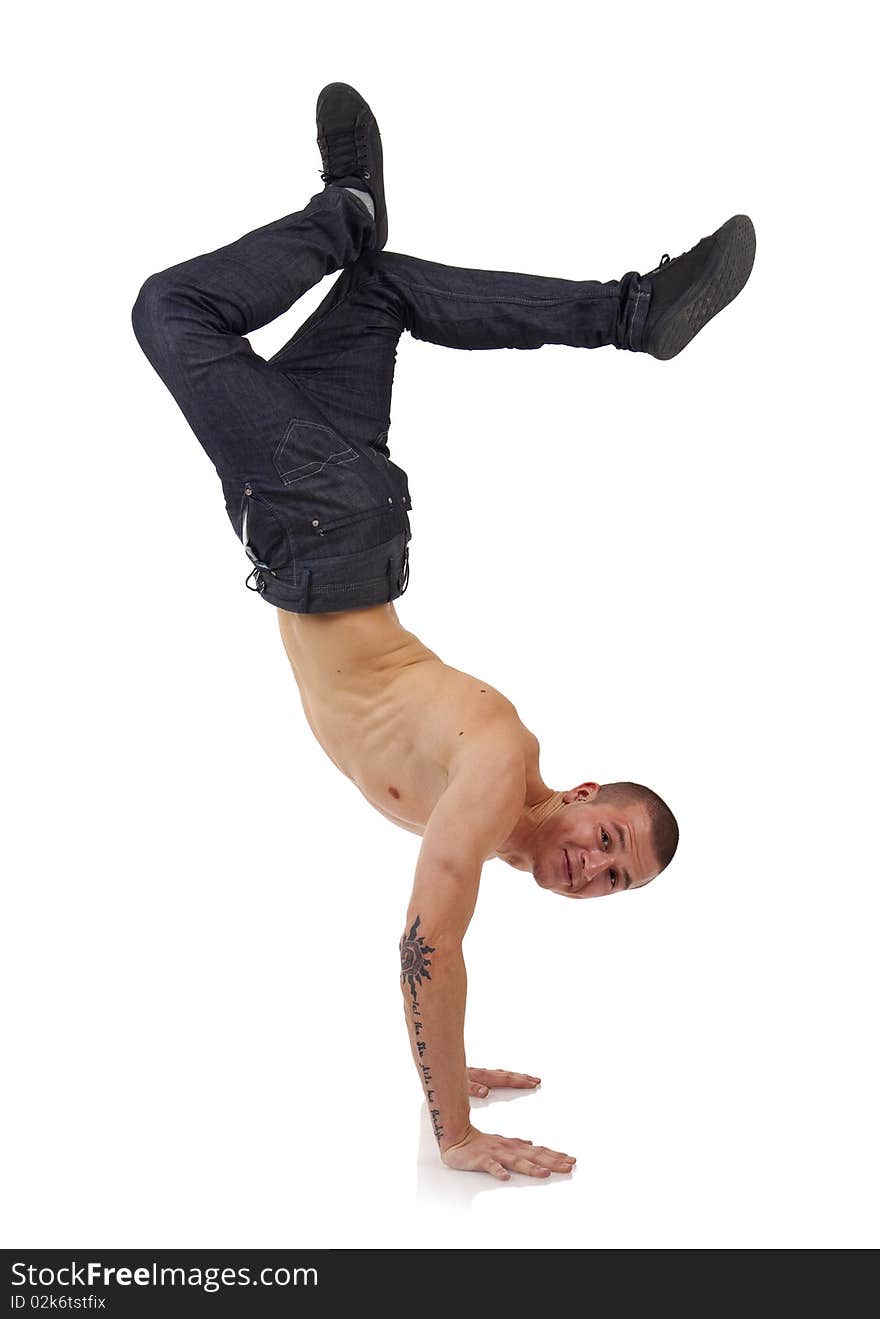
664, 826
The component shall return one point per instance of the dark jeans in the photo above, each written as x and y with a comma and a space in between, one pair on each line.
300, 442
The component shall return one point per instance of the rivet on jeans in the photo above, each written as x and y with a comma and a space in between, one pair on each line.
315, 522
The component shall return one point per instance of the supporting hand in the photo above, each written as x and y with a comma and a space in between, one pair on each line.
481, 1080
502, 1155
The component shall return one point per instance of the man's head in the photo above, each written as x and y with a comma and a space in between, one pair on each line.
604, 840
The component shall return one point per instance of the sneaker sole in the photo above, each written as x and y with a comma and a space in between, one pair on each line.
725, 276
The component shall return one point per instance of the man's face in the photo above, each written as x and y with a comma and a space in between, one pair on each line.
590, 848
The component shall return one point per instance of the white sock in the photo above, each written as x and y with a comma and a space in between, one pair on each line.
365, 198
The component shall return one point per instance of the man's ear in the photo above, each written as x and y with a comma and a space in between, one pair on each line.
583, 792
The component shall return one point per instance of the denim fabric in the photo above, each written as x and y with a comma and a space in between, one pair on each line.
300, 442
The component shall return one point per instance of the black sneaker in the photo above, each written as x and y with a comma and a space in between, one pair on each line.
351, 148
690, 290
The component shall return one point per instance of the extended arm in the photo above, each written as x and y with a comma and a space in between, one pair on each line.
467, 824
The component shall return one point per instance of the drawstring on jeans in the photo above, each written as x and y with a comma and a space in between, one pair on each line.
403, 577
260, 583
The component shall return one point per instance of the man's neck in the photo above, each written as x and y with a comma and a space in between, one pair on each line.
541, 803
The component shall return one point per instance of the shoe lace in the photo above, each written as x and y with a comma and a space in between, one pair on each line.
344, 154
664, 261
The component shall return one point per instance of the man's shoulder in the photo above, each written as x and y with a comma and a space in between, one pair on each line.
482, 802
495, 752
487, 783
492, 748
489, 751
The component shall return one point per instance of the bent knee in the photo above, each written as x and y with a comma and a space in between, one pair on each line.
163, 309
149, 315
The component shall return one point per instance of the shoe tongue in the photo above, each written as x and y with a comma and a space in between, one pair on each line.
669, 281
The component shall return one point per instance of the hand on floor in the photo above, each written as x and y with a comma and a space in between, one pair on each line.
482, 1079
502, 1155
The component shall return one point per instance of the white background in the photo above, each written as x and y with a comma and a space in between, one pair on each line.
666, 566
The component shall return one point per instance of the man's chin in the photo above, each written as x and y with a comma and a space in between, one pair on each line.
547, 885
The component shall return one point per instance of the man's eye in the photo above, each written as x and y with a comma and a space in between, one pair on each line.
606, 840
612, 876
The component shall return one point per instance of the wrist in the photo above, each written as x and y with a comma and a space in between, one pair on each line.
454, 1136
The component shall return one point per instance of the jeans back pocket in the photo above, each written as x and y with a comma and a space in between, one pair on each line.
308, 448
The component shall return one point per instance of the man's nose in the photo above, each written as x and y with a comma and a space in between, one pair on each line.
593, 863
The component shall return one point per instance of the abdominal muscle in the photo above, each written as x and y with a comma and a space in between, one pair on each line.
387, 711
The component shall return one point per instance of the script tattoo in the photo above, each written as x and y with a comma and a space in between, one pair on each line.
414, 964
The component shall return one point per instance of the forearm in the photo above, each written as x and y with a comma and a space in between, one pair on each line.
434, 984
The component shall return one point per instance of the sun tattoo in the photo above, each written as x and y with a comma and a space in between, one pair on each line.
414, 962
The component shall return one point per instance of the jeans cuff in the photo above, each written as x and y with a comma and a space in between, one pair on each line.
636, 312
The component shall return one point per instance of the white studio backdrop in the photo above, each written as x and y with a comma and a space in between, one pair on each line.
669, 568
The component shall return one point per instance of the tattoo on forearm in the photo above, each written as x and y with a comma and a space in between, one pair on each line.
414, 964
414, 960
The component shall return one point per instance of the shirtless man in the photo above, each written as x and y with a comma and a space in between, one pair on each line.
300, 444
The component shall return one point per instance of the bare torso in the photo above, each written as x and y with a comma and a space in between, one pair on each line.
392, 716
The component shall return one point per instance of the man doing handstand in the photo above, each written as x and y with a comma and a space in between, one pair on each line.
300, 443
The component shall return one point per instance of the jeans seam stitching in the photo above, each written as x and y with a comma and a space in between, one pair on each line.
522, 302
336, 459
